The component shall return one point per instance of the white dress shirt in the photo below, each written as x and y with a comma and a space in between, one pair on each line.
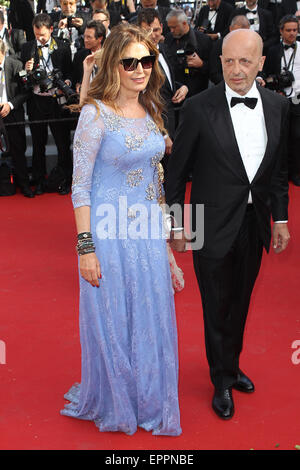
46, 64
254, 17
295, 68
165, 67
3, 94
250, 131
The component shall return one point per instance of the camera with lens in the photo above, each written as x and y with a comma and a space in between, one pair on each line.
69, 22
48, 81
183, 53
280, 81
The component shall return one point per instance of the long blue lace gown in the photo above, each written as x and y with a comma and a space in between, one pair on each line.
129, 375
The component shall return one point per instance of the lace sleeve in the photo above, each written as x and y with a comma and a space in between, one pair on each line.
87, 141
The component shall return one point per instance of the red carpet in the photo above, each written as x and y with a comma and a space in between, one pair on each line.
39, 328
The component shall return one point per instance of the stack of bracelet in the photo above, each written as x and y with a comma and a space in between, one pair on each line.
85, 243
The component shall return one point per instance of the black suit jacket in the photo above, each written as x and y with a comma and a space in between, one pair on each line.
61, 57
167, 92
14, 90
15, 40
77, 65
222, 21
57, 16
288, 7
20, 16
267, 29
205, 137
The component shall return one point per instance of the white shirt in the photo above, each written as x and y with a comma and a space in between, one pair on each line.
3, 94
212, 16
250, 131
165, 66
295, 89
46, 60
254, 17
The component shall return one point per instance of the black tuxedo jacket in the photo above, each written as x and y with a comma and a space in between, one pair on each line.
15, 40
14, 90
288, 7
20, 16
77, 65
222, 21
272, 63
205, 139
167, 92
57, 16
266, 25
61, 57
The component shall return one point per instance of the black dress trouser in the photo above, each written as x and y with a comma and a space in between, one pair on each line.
46, 108
17, 144
226, 286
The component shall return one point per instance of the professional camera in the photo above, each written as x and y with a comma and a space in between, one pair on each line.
281, 81
70, 95
48, 81
183, 53
37, 76
69, 22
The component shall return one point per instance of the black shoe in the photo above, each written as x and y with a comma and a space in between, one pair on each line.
295, 179
64, 189
243, 383
223, 403
39, 189
27, 191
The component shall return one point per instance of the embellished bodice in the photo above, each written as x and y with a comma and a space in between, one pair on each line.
115, 156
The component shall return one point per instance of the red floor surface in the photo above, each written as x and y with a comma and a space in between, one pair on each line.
39, 332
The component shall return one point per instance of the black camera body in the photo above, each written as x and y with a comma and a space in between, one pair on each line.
281, 81
48, 81
69, 22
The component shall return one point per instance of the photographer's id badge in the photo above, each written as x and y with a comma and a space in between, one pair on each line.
186, 71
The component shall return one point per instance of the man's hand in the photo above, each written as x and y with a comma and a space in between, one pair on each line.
194, 61
5, 110
77, 22
281, 237
178, 241
213, 36
29, 65
63, 23
180, 94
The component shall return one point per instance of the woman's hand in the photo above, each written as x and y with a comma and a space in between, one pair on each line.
90, 268
88, 64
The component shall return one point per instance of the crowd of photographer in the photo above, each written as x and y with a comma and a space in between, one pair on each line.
43, 49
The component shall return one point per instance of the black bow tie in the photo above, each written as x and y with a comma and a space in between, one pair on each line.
44, 45
251, 11
213, 9
287, 46
250, 102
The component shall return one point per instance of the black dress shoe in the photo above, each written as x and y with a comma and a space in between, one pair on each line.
39, 189
223, 403
27, 191
243, 383
295, 179
64, 189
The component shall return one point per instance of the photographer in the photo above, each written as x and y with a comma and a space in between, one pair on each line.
214, 18
69, 24
94, 36
12, 97
282, 74
188, 52
45, 58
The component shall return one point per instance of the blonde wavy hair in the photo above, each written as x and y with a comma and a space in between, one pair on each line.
106, 84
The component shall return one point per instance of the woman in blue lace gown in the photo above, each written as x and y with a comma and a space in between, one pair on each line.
129, 372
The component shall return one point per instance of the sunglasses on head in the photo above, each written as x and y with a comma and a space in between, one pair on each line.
131, 63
